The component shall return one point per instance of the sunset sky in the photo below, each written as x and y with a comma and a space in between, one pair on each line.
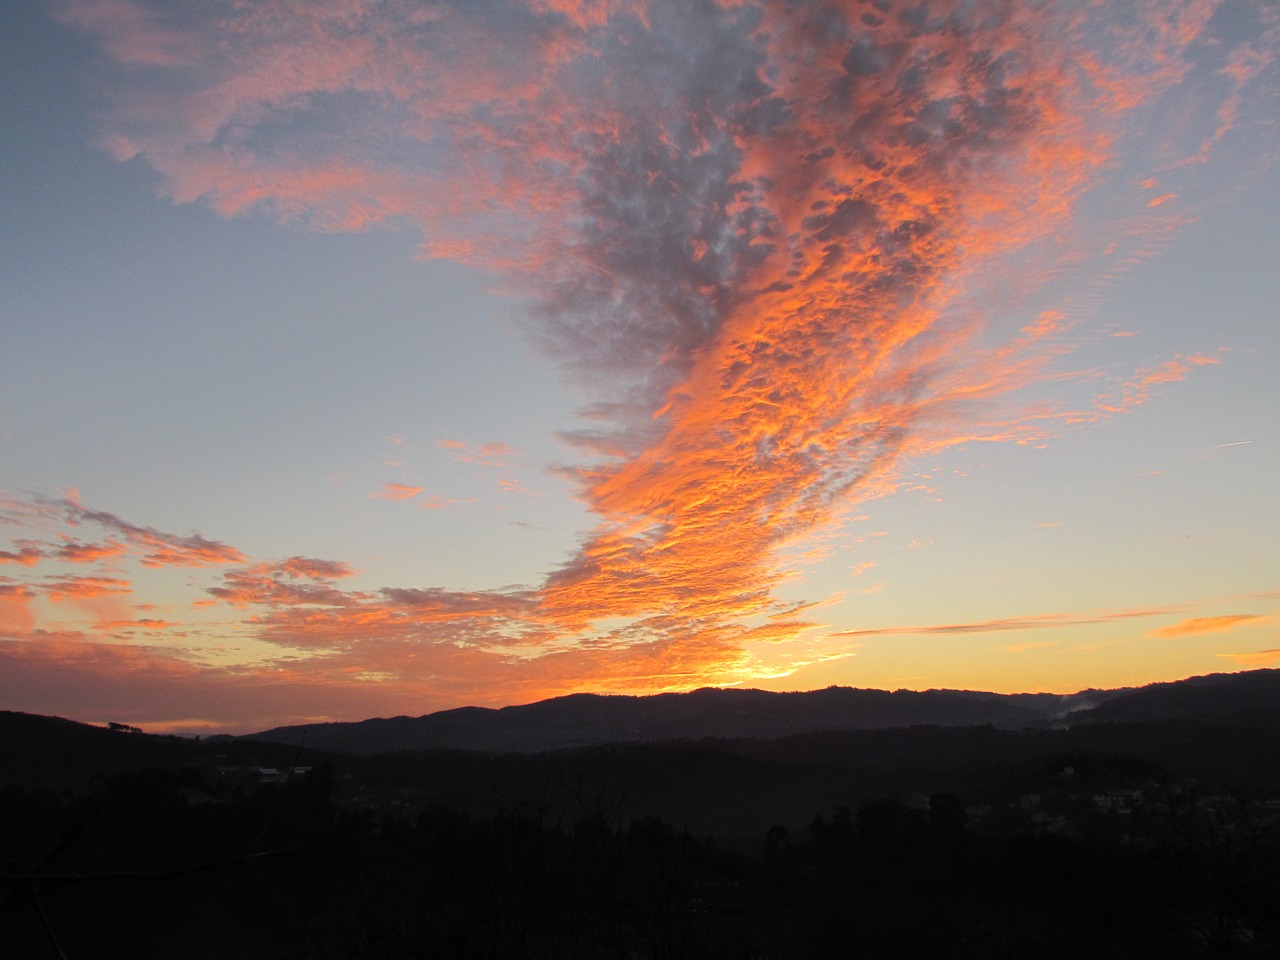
374, 357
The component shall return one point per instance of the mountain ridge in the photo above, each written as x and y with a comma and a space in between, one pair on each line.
586, 719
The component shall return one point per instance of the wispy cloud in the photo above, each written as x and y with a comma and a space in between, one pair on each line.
298, 580
154, 547
1139, 390
1254, 658
397, 491
84, 588
437, 502
492, 454
1041, 621
1198, 625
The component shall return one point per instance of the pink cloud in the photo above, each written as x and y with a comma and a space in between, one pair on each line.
490, 454
131, 32
397, 491
436, 502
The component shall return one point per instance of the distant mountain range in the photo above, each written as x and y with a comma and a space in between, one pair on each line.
584, 720
727, 762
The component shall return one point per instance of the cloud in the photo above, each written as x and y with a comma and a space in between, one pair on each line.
132, 33
27, 556
1139, 390
158, 549
397, 491
1198, 625
16, 616
1255, 658
313, 569
758, 236
74, 552
490, 454
437, 502
1037, 622
84, 588
296, 581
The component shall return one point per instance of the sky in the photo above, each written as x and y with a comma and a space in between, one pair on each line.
377, 357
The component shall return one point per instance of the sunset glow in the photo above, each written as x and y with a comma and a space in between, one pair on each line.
505, 349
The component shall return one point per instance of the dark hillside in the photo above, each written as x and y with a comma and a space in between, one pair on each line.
587, 719
51, 753
1252, 697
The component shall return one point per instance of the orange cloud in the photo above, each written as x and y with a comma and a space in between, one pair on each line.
1036, 622
313, 569
84, 588
156, 548
1255, 658
1197, 625
145, 623
16, 615
74, 552
27, 556
397, 491
1139, 390
298, 580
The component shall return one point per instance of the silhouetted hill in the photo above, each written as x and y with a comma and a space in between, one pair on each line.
1252, 698
588, 719
57, 754
709, 747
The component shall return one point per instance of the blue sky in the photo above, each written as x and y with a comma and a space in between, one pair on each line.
365, 361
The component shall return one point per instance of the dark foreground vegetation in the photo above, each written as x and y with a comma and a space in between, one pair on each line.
166, 863
1149, 826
